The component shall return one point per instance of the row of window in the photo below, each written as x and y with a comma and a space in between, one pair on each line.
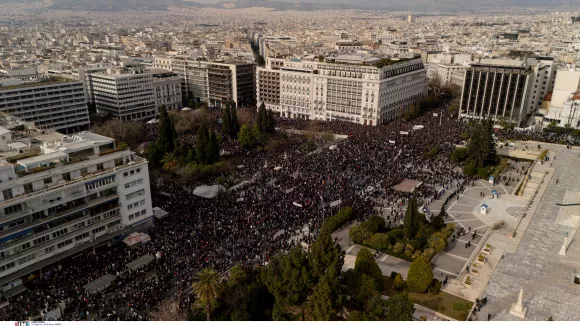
136, 204
133, 183
137, 214
135, 194
132, 172
100, 183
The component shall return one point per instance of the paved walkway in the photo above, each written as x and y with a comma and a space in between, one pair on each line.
535, 265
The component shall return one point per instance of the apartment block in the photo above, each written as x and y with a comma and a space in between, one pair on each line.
213, 82
51, 104
68, 194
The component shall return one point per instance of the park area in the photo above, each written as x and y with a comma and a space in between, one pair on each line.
417, 237
441, 302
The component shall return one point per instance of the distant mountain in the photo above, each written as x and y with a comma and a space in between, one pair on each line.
120, 5
282, 5
394, 5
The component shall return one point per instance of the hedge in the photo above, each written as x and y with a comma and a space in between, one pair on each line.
333, 223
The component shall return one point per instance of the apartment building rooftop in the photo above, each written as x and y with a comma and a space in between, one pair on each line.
40, 82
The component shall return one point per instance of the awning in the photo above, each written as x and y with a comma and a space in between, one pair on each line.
14, 291
159, 213
208, 191
136, 238
100, 284
140, 262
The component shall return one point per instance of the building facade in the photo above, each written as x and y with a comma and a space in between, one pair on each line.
56, 103
70, 193
445, 73
563, 109
498, 90
213, 82
341, 89
543, 79
167, 87
132, 93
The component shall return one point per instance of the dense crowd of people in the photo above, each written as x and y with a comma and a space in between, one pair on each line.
283, 193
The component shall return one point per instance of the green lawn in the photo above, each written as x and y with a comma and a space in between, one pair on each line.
442, 302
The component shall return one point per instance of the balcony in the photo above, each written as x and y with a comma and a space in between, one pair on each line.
66, 184
59, 239
57, 215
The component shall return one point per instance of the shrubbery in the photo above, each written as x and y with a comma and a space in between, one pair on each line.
420, 275
345, 215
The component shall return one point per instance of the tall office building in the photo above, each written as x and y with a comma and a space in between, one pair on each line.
213, 82
543, 79
53, 103
132, 93
68, 194
497, 89
358, 89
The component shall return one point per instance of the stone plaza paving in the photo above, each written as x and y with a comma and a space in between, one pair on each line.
546, 277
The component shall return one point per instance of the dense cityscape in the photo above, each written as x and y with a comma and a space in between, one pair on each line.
231, 161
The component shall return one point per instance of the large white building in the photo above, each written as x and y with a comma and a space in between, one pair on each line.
352, 88
68, 194
133, 93
564, 107
53, 103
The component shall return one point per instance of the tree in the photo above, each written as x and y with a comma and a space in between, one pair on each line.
226, 119
166, 134
247, 137
131, 132
438, 222
271, 122
420, 275
411, 222
326, 257
322, 301
207, 288
482, 146
398, 282
360, 288
169, 161
359, 233
400, 308
488, 144
288, 278
366, 264
245, 297
201, 145
234, 124
379, 241
213, 150
438, 241
168, 310
262, 123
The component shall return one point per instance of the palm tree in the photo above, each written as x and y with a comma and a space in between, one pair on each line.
169, 161
206, 288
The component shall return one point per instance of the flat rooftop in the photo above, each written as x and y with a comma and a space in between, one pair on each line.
44, 82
